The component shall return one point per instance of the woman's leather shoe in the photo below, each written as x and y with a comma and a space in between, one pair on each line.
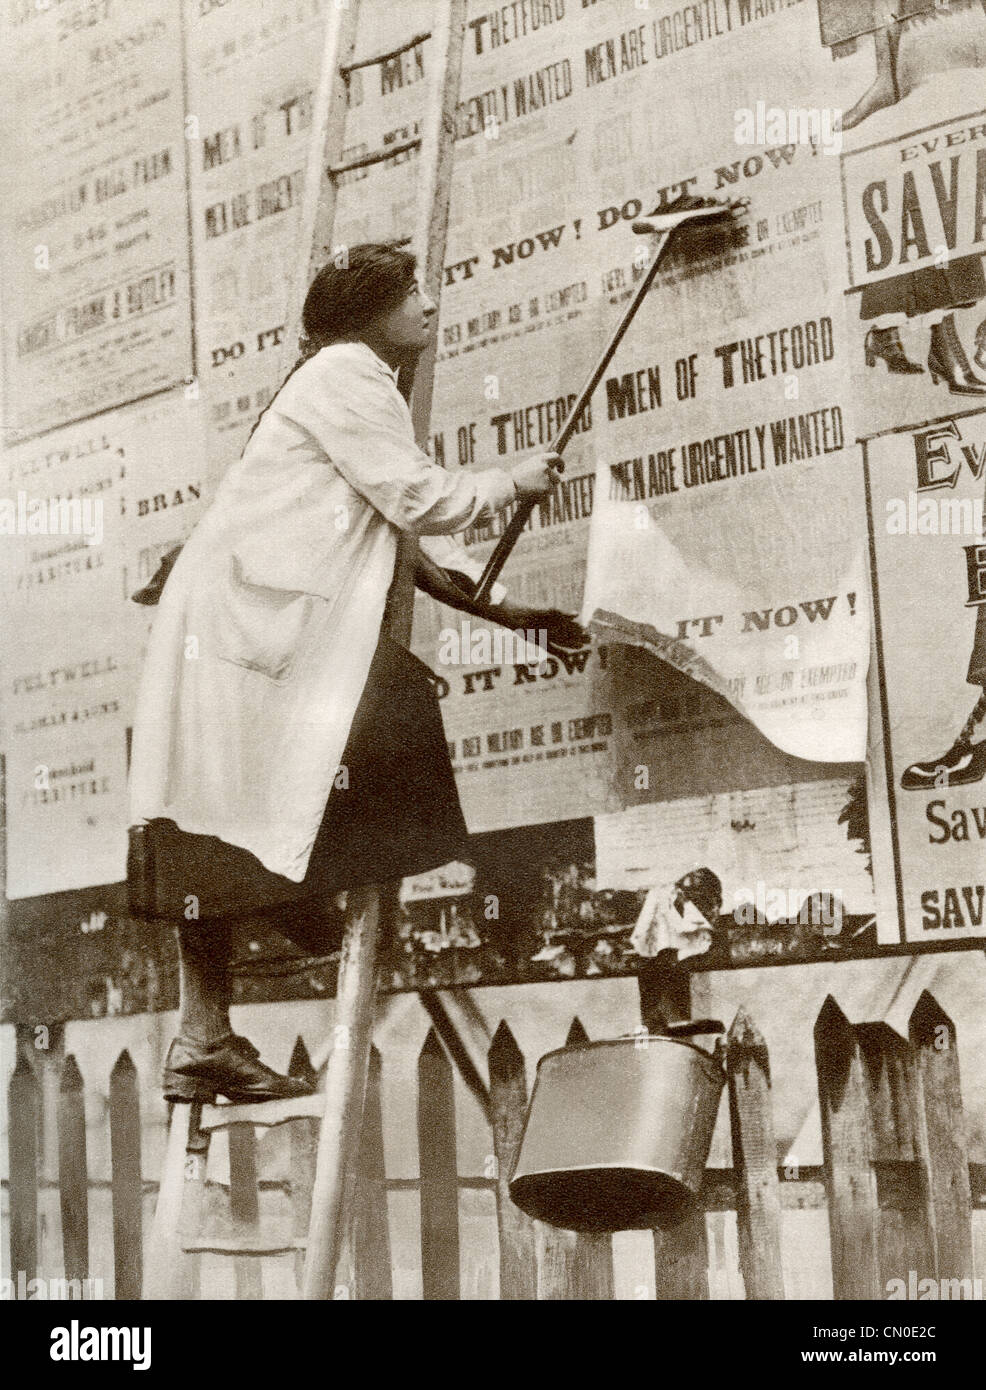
230, 1067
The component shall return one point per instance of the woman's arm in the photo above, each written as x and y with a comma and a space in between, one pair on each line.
349, 402
450, 555
561, 628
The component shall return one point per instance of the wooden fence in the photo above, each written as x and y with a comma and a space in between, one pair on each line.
897, 1181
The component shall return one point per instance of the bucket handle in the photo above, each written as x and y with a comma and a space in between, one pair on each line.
694, 1027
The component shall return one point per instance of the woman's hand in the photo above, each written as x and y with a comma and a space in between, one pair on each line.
537, 475
562, 629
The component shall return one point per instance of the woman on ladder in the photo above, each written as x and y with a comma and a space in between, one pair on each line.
284, 746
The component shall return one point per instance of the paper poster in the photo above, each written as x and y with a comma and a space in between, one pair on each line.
253, 70
915, 238
713, 509
387, 101
67, 668
66, 760
735, 374
771, 848
725, 531
94, 248
254, 75
926, 488
100, 502
913, 169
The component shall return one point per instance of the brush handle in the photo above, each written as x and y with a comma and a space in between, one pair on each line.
662, 226
522, 515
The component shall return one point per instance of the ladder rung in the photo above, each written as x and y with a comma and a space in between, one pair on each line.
264, 1113
377, 157
257, 1243
347, 68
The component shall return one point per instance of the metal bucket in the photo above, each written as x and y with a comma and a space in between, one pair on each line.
618, 1133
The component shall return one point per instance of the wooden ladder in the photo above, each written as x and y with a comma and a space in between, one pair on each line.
176, 1240
190, 1222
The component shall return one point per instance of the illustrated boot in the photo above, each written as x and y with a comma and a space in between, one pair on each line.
230, 1067
964, 762
885, 343
980, 358
947, 360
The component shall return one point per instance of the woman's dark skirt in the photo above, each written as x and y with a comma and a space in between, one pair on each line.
398, 815
926, 291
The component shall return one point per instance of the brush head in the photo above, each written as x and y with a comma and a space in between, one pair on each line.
688, 208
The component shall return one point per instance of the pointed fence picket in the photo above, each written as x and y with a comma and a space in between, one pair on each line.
949, 1193
127, 1188
508, 1099
73, 1171
758, 1198
23, 1126
371, 1239
437, 1172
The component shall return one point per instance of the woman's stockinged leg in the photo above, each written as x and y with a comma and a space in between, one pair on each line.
206, 990
207, 1059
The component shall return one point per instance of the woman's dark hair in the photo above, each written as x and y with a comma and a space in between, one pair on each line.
359, 283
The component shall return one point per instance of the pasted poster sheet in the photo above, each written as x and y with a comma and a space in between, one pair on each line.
94, 245
254, 70
722, 433
381, 201
99, 501
914, 185
926, 489
523, 310
913, 170
769, 848
726, 533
